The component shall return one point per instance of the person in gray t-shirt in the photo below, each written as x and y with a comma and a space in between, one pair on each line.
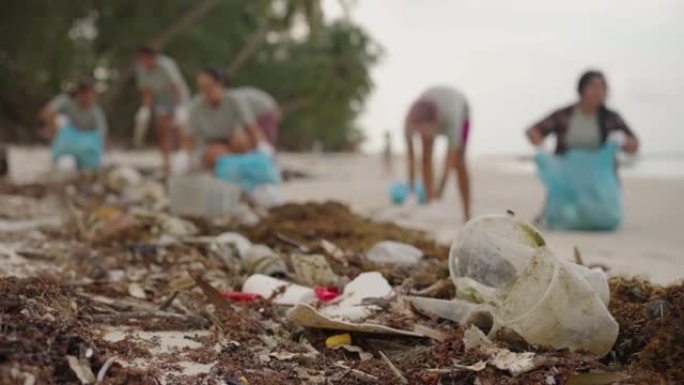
76, 126
80, 108
440, 111
219, 122
164, 92
265, 109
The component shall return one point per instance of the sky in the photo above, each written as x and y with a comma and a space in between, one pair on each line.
516, 61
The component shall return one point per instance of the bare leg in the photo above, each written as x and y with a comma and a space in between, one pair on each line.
164, 126
463, 180
428, 180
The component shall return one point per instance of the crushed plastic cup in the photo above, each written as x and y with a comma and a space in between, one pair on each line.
237, 240
504, 264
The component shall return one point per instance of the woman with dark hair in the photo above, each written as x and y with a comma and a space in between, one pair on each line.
440, 111
586, 124
76, 125
583, 191
219, 122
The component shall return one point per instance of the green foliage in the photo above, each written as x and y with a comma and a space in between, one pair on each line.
321, 76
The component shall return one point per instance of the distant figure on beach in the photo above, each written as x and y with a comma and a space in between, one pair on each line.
388, 154
587, 123
583, 190
164, 94
76, 125
219, 122
440, 111
264, 108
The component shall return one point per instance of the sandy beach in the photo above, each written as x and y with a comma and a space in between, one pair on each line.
649, 244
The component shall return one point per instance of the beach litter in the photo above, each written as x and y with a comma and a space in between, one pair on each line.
504, 264
394, 253
127, 291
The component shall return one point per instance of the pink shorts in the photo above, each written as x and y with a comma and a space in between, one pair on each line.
269, 123
465, 132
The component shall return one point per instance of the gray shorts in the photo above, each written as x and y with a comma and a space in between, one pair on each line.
164, 105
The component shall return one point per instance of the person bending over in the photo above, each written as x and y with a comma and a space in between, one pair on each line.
440, 111
219, 123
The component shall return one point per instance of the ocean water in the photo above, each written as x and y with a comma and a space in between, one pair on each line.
647, 166
517, 61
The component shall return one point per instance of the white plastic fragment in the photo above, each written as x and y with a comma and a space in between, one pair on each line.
313, 270
123, 177
392, 252
347, 311
349, 305
267, 196
136, 291
82, 369
503, 359
262, 259
267, 287
238, 240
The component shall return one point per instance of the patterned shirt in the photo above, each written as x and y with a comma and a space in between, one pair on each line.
560, 121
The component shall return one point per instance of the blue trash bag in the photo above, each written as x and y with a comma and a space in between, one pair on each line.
399, 191
248, 170
583, 191
85, 146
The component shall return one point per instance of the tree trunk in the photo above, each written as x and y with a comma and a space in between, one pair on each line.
184, 22
249, 49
